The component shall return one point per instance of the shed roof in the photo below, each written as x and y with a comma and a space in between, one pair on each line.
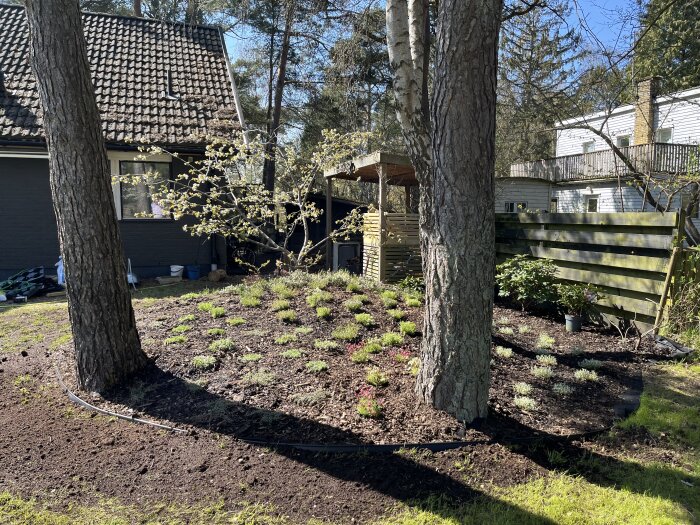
399, 169
129, 60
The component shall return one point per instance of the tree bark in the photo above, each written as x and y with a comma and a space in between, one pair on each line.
454, 158
107, 345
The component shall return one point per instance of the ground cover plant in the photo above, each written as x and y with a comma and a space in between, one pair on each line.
275, 395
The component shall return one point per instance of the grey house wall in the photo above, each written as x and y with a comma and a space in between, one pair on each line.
28, 234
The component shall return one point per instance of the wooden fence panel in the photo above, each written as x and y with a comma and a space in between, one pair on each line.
626, 255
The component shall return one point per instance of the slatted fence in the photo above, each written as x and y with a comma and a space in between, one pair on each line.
396, 254
626, 255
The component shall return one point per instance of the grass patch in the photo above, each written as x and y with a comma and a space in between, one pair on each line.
323, 312
250, 301
303, 330
545, 342
365, 320
584, 375
280, 304
316, 367
360, 357
546, 360
181, 329
222, 345
175, 340
293, 353
372, 347
376, 377
562, 389
396, 314
205, 307
217, 312
368, 407
523, 389
504, 352
391, 339
308, 399
319, 296
235, 321
189, 318
354, 305
251, 358
285, 339
524, 403
216, 331
287, 316
590, 364
348, 332
203, 362
408, 328
262, 377
324, 344
542, 372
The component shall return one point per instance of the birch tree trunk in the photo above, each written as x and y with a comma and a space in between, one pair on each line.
453, 153
107, 344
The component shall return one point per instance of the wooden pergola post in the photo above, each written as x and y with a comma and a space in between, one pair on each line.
382, 220
329, 223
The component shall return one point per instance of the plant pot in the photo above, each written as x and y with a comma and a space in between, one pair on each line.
573, 323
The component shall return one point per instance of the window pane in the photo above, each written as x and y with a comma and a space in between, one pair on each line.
589, 147
663, 135
592, 204
623, 141
137, 197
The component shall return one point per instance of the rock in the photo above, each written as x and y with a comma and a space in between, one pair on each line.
216, 275
24, 353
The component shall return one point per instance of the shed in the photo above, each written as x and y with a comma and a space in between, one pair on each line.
390, 242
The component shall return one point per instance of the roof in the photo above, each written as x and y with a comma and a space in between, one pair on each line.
129, 62
399, 169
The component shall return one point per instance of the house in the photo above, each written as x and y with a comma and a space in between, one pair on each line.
156, 83
659, 135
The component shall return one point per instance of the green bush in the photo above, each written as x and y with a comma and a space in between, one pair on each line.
348, 332
216, 331
175, 340
392, 339
251, 358
523, 389
408, 328
287, 316
527, 281
376, 377
360, 357
293, 353
413, 283
372, 347
323, 312
368, 407
395, 314
545, 342
285, 338
281, 290
542, 372
354, 286
547, 360
389, 303
203, 362
222, 345
217, 312
504, 352
390, 294
316, 367
577, 299
181, 329
205, 307
280, 304
235, 321
524, 403
365, 319
322, 344
354, 305
318, 297
584, 375
250, 301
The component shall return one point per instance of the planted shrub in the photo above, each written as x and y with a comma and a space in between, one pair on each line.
262, 377
316, 367
364, 319
303, 330
522, 388
287, 316
293, 353
205, 307
217, 312
285, 339
222, 345
402, 356
181, 329
175, 340
281, 290
527, 281
362, 298
524, 329
584, 375
353, 286
412, 302
323, 312
577, 350
413, 366
372, 347
577, 299
545, 342
504, 352
203, 362
562, 389
525, 403
310, 399
216, 331
376, 377
189, 296
542, 372
506, 330
389, 294
348, 332
590, 364
408, 328
353, 305
250, 301
322, 344
396, 314
360, 356
251, 358
279, 304
368, 407
392, 339
318, 297
235, 321
389, 303
547, 360
187, 318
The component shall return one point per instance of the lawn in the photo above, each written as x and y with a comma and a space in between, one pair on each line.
232, 366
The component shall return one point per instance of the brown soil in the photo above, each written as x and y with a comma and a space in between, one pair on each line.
53, 450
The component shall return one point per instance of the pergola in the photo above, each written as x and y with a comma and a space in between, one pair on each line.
390, 239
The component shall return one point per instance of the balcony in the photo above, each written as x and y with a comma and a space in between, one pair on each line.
655, 159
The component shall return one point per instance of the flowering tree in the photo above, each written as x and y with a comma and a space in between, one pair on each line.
221, 192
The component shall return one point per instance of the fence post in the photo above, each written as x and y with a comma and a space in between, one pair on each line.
667, 286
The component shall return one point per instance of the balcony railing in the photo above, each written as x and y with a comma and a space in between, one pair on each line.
657, 159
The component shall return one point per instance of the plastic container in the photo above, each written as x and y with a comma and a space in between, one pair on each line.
573, 323
176, 270
193, 272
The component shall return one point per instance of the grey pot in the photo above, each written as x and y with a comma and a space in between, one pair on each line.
573, 323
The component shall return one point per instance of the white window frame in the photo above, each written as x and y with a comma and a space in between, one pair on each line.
588, 198
115, 157
663, 130
588, 146
515, 207
554, 203
620, 138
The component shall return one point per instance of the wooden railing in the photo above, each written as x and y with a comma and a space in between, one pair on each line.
645, 158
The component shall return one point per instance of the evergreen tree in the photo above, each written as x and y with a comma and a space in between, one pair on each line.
669, 46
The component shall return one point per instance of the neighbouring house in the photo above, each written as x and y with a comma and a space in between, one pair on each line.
156, 83
659, 135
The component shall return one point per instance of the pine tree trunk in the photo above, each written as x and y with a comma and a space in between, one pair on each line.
107, 344
454, 157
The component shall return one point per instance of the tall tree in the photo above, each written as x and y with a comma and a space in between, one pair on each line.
669, 46
452, 147
107, 345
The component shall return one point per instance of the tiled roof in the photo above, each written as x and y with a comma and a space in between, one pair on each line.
129, 59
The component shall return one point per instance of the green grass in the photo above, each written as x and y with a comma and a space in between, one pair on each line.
190, 318
250, 301
364, 319
279, 305
395, 314
303, 330
181, 329
293, 353
376, 377
216, 331
287, 316
251, 358
235, 321
261, 377
318, 297
392, 339
316, 367
322, 344
203, 362
323, 312
408, 328
175, 340
217, 312
348, 332
285, 339
354, 305
205, 307
222, 345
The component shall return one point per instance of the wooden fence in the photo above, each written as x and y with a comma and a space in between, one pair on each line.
391, 254
626, 255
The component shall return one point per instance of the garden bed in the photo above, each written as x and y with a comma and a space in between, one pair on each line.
246, 371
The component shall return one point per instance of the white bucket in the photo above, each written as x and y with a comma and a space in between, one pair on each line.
176, 270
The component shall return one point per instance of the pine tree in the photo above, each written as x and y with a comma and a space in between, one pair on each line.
668, 45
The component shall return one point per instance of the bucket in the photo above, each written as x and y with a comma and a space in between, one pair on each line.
573, 323
176, 270
193, 272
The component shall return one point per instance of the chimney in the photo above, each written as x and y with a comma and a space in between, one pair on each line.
644, 110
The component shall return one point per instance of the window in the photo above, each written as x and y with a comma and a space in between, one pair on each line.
136, 196
589, 147
591, 203
664, 135
516, 207
623, 141
553, 205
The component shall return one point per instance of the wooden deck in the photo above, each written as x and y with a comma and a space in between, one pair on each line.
660, 159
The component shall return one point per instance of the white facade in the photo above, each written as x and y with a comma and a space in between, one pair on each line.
521, 194
676, 120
